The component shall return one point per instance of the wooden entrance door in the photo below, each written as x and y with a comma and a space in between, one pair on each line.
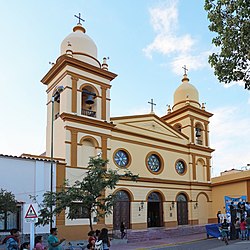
154, 210
121, 210
182, 210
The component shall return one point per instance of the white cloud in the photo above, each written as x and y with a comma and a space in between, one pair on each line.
229, 85
193, 62
164, 20
183, 48
229, 133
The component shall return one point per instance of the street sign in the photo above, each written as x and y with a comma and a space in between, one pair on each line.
31, 220
31, 212
30, 216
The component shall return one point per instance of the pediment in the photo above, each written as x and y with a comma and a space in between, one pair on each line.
150, 126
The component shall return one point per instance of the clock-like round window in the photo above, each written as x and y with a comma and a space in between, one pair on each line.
180, 167
121, 158
154, 163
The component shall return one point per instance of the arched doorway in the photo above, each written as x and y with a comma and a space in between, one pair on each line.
182, 209
154, 210
121, 210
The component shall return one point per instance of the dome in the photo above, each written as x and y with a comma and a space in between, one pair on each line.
186, 94
81, 45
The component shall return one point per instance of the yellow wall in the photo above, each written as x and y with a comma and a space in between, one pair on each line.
232, 185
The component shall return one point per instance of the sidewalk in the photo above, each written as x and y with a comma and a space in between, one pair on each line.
161, 242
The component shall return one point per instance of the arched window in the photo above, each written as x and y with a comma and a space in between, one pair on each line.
181, 198
154, 197
199, 134
177, 127
121, 196
56, 101
88, 101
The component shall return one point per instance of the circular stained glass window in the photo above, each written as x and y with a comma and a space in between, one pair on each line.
121, 158
154, 163
180, 167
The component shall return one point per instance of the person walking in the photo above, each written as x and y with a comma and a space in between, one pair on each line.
122, 230
53, 241
224, 230
12, 241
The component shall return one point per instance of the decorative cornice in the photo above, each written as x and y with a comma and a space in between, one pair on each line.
200, 148
173, 182
134, 116
185, 109
226, 182
86, 121
65, 60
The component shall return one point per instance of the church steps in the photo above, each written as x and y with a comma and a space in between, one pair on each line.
160, 233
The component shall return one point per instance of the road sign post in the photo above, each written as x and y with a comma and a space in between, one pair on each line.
31, 217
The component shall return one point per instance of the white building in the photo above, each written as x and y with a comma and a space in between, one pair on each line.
24, 176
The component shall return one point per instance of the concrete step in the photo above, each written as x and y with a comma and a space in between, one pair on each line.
161, 233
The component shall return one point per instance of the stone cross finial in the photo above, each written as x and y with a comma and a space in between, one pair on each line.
80, 19
185, 69
152, 105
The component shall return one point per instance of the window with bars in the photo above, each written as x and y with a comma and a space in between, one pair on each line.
80, 211
10, 220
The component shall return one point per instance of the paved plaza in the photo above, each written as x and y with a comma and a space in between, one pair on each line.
189, 242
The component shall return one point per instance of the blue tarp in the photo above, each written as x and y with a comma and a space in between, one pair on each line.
213, 230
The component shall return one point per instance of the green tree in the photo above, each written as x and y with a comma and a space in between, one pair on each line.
87, 193
7, 203
230, 19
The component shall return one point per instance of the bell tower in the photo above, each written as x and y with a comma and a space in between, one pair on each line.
190, 118
78, 101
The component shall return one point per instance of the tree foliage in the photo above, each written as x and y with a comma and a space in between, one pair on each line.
7, 202
230, 19
87, 193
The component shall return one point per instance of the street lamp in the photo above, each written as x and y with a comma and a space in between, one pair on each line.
55, 97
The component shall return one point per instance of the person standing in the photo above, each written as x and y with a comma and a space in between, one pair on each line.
53, 241
12, 241
237, 228
248, 227
91, 240
243, 228
104, 238
218, 216
39, 243
25, 246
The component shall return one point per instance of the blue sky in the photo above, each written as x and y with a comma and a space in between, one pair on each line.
148, 42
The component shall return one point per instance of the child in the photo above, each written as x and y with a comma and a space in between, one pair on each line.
25, 246
91, 240
38, 243
243, 228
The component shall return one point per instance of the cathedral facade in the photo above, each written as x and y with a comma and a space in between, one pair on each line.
171, 154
